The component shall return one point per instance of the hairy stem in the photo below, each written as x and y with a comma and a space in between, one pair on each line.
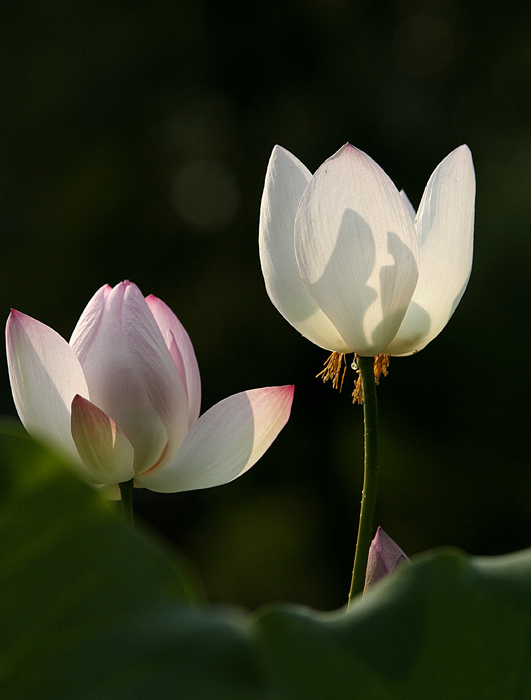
370, 478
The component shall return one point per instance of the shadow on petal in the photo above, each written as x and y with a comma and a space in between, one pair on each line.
341, 288
412, 334
394, 302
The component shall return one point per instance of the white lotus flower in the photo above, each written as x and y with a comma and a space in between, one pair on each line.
348, 264
122, 398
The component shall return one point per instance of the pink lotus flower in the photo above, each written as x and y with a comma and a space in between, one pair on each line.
122, 399
384, 556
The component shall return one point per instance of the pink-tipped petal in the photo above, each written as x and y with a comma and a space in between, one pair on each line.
45, 376
285, 182
384, 556
356, 249
226, 441
182, 352
104, 450
445, 228
132, 377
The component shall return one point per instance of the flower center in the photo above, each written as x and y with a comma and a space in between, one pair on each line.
335, 368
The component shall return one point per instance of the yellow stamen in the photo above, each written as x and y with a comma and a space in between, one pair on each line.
381, 363
332, 370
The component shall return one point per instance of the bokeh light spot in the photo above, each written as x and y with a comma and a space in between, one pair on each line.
205, 194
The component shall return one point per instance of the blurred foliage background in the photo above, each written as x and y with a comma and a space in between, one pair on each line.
134, 140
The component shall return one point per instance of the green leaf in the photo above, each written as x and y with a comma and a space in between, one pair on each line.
448, 626
69, 569
92, 609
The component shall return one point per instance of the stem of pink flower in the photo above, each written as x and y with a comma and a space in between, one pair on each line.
126, 492
370, 478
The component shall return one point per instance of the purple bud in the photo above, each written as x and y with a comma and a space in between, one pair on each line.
384, 556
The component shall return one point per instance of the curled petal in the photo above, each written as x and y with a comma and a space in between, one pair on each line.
45, 376
285, 182
356, 249
105, 451
445, 228
182, 352
225, 442
161, 379
131, 375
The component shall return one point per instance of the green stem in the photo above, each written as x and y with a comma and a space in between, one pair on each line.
370, 478
126, 492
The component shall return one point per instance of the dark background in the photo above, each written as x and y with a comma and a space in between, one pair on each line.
134, 140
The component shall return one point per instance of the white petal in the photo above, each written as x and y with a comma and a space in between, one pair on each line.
182, 352
410, 207
356, 249
102, 446
285, 182
445, 228
132, 377
226, 441
88, 325
45, 376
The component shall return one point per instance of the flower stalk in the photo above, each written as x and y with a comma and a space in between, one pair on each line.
370, 477
126, 492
